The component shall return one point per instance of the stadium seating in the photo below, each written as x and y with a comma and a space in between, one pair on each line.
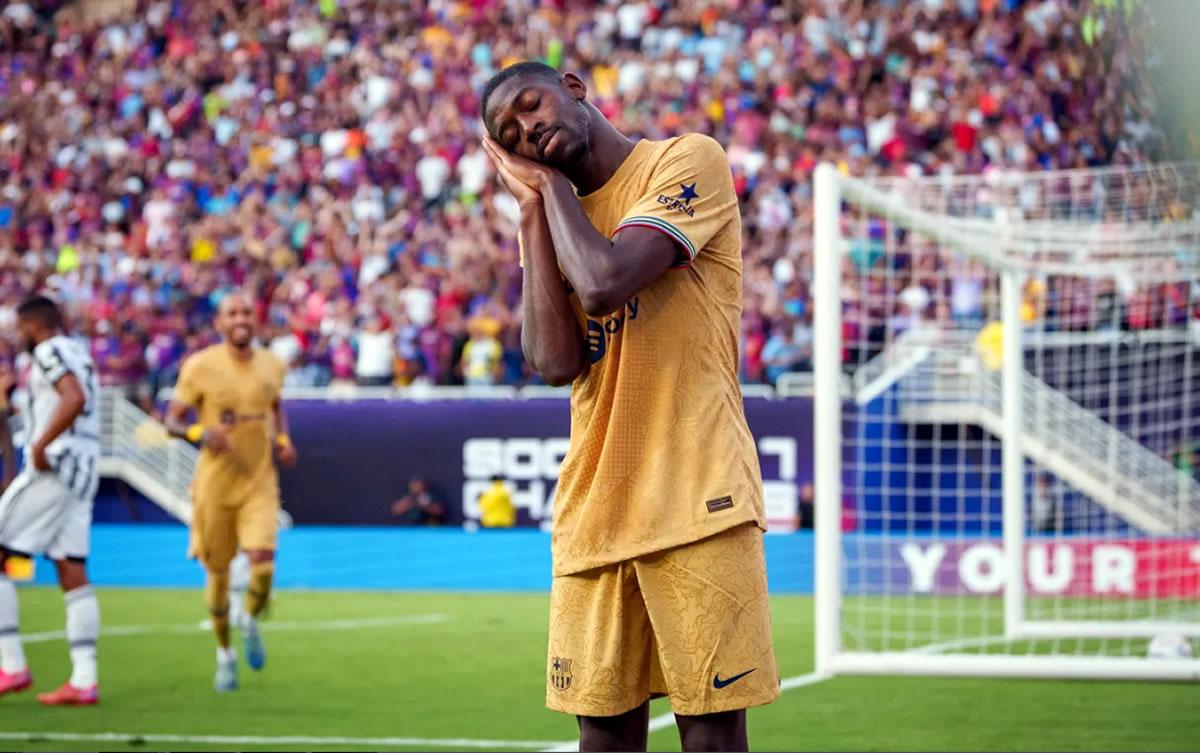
178, 149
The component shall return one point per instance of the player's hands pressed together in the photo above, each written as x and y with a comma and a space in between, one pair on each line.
522, 177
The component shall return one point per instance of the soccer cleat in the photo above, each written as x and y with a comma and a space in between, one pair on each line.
252, 643
15, 682
226, 678
69, 695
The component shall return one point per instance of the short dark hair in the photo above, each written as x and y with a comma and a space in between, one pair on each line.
43, 309
526, 68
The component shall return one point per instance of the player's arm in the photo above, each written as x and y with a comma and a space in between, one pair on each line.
188, 396
6, 443
551, 339
605, 273
550, 336
6, 447
71, 402
285, 451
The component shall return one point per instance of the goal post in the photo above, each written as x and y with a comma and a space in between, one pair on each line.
1010, 484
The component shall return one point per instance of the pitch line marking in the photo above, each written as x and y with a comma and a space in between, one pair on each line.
284, 626
360, 742
662, 721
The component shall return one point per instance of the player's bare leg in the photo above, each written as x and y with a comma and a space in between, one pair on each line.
216, 595
14, 672
626, 732
258, 593
83, 629
725, 731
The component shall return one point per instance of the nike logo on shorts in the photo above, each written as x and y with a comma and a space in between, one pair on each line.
718, 683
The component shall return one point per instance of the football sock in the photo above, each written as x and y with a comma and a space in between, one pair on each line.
239, 579
83, 628
12, 655
216, 596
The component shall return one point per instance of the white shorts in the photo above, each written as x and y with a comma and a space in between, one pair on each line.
40, 514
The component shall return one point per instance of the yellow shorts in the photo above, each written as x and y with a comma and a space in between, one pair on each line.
218, 530
692, 623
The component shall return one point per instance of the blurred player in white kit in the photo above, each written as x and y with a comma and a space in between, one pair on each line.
48, 507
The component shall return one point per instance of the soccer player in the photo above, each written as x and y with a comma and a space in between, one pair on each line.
632, 292
8, 454
233, 388
48, 507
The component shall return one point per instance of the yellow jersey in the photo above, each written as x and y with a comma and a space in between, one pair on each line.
660, 453
241, 396
496, 508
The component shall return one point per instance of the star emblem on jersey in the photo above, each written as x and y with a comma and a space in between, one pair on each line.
688, 193
718, 683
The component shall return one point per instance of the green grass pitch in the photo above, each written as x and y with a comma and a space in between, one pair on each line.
452, 667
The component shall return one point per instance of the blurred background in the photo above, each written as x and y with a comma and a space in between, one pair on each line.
326, 156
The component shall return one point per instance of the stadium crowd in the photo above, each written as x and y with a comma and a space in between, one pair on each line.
326, 154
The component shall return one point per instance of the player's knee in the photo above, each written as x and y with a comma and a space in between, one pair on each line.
723, 731
627, 731
72, 573
260, 556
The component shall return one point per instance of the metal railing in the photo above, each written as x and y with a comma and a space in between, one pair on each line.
137, 449
1117, 471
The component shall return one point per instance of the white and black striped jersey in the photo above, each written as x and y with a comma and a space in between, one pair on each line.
77, 450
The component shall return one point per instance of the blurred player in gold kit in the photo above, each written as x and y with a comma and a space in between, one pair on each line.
233, 390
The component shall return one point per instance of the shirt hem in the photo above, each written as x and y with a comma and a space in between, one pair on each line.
687, 536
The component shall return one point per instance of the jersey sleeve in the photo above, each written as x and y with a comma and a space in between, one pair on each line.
690, 196
51, 360
188, 389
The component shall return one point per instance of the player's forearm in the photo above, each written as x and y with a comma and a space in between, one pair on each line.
550, 336
282, 437
6, 446
69, 408
176, 427
601, 280
179, 426
281, 422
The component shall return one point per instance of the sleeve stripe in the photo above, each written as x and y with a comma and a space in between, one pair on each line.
662, 226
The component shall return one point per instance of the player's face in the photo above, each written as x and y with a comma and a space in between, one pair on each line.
235, 321
28, 331
541, 120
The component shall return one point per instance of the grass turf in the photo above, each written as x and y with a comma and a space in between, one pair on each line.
472, 666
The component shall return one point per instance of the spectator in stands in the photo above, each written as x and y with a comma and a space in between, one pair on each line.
807, 505
1044, 506
376, 352
496, 508
418, 507
482, 356
780, 354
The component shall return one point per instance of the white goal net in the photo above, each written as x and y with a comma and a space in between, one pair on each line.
1007, 377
